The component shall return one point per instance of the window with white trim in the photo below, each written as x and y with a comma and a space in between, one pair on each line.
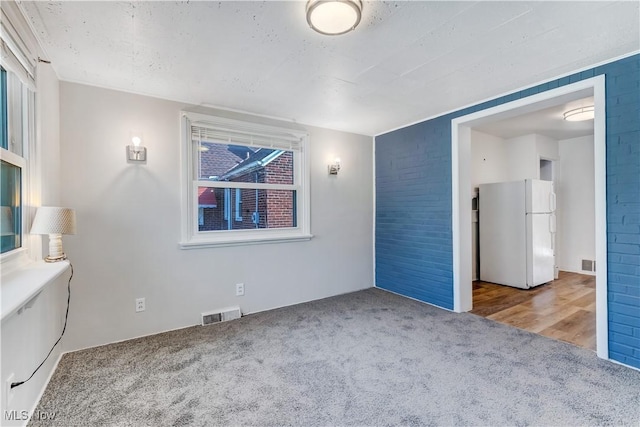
11, 172
17, 102
243, 182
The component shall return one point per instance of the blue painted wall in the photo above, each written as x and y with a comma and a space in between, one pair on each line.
413, 204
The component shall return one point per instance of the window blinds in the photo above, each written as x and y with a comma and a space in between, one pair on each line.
16, 53
245, 134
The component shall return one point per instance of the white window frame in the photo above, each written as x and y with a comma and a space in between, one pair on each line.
24, 103
238, 205
192, 238
21, 163
17, 57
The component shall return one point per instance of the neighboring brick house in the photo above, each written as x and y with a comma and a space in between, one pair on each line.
222, 209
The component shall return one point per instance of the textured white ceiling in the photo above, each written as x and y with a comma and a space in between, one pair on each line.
548, 122
406, 61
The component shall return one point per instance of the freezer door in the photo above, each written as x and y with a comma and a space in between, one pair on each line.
540, 259
540, 196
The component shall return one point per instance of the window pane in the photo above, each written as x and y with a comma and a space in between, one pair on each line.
10, 207
239, 163
4, 138
16, 114
245, 209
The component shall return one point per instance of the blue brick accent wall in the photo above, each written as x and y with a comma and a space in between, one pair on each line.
414, 252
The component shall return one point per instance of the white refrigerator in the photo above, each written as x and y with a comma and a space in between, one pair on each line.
517, 233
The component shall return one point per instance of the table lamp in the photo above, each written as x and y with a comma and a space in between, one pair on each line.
55, 222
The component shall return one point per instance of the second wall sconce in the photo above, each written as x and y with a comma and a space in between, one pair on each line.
136, 152
334, 168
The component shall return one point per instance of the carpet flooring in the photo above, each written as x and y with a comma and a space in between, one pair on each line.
366, 358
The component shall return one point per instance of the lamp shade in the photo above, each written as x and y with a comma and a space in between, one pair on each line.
54, 220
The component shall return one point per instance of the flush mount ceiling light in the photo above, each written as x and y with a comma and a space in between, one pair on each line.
580, 114
334, 17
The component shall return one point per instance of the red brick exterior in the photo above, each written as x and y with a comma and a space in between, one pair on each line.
280, 202
280, 170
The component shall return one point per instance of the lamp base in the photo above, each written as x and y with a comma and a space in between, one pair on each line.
55, 258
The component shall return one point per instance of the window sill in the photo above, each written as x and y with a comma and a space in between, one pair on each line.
197, 244
22, 285
12, 255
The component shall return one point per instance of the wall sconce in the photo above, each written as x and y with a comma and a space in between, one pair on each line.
55, 222
334, 167
136, 152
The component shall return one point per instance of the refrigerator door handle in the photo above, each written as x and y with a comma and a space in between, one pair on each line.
552, 202
552, 230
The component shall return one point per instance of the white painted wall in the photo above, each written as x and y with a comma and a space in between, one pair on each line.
546, 148
28, 337
522, 157
48, 134
489, 161
575, 187
494, 159
129, 225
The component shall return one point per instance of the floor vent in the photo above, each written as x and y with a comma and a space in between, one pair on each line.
223, 315
588, 265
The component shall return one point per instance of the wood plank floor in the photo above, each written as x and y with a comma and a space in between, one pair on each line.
564, 309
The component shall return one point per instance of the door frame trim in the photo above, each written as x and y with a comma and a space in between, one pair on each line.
461, 191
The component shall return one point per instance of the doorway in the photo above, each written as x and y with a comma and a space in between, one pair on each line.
461, 190
546, 169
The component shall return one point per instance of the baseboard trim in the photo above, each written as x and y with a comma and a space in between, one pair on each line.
586, 273
415, 299
306, 301
199, 324
132, 338
44, 387
623, 364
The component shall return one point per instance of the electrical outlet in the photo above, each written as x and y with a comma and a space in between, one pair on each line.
239, 289
8, 391
140, 305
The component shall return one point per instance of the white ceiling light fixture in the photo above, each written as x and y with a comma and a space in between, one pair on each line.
580, 114
334, 17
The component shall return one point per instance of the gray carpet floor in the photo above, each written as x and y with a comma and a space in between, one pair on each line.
367, 358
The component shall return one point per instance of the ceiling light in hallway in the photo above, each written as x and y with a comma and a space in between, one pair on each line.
580, 114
